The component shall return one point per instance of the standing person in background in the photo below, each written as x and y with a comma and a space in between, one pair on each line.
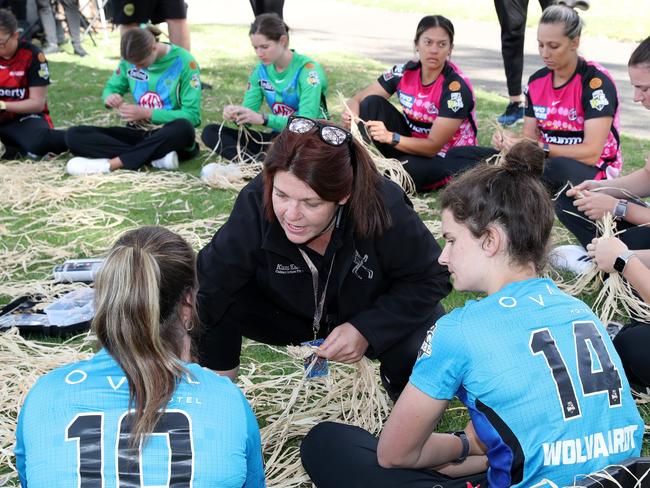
512, 19
438, 108
26, 128
165, 83
129, 14
140, 412
289, 82
73, 19
267, 7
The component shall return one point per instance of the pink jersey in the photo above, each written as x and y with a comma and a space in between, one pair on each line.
561, 112
450, 95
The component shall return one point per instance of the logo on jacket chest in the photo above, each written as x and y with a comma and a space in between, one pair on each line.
360, 270
285, 269
137, 74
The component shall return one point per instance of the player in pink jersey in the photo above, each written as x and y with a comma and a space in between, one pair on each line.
437, 103
572, 107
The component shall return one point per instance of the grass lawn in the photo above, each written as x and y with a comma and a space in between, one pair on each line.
39, 234
622, 19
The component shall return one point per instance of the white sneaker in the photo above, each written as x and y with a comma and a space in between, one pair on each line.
87, 166
169, 161
571, 258
213, 171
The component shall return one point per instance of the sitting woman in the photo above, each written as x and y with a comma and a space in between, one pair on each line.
437, 104
320, 245
26, 129
537, 371
289, 82
138, 412
165, 84
572, 107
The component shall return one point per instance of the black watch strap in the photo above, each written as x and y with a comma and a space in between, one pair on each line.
463, 438
395, 140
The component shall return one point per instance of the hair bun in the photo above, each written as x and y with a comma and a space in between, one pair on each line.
524, 157
574, 4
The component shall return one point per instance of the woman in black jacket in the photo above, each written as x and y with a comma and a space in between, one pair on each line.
320, 245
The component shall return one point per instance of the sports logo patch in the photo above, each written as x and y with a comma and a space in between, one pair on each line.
41, 57
425, 349
194, 81
455, 103
266, 85
137, 74
598, 100
431, 108
150, 100
44, 72
388, 75
193, 65
406, 100
454, 86
595, 83
310, 66
312, 78
572, 114
541, 112
282, 109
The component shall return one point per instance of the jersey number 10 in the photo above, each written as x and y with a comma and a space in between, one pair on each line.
603, 378
88, 430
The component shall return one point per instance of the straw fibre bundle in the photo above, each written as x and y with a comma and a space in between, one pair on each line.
289, 405
23, 362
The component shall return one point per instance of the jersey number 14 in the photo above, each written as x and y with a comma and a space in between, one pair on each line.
594, 379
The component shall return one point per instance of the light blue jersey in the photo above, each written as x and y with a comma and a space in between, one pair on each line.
67, 433
542, 381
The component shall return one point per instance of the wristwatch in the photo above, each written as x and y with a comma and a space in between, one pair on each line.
463, 438
266, 119
620, 210
621, 261
547, 149
395, 140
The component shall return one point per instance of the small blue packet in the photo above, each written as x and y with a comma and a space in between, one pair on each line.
320, 366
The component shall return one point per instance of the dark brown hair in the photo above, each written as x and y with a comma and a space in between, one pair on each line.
333, 172
137, 43
641, 55
148, 276
8, 22
431, 21
511, 195
269, 25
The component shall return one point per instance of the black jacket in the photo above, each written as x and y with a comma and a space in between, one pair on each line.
386, 286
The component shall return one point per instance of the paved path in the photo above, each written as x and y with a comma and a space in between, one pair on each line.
328, 25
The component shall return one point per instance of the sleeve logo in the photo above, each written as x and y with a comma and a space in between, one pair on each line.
595, 83
425, 349
454, 86
313, 78
193, 65
598, 100
455, 103
195, 82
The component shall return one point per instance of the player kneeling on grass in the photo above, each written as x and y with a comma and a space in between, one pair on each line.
545, 389
165, 84
138, 413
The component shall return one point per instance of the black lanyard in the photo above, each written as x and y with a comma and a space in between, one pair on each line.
319, 303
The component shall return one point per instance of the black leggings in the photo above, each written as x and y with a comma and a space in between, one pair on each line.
31, 136
632, 344
255, 316
427, 173
512, 18
338, 455
253, 145
135, 147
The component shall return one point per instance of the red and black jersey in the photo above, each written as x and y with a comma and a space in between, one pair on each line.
26, 68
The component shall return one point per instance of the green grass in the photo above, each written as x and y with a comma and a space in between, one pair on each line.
226, 59
625, 20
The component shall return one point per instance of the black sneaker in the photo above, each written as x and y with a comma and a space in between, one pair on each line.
514, 113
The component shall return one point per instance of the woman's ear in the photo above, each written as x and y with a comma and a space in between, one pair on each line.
493, 240
284, 40
344, 200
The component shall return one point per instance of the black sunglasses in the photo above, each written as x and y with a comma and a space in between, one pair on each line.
330, 134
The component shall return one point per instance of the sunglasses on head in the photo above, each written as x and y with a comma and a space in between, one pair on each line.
330, 134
